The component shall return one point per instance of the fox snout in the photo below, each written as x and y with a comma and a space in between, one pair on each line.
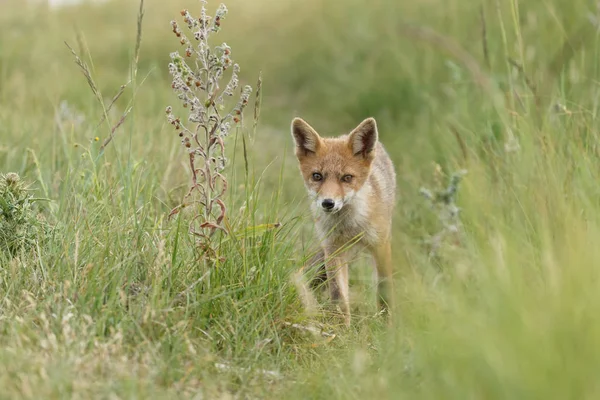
326, 202
333, 204
330, 205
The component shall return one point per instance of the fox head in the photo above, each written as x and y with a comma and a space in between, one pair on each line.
334, 169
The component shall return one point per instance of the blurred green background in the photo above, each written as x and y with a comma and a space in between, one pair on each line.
506, 89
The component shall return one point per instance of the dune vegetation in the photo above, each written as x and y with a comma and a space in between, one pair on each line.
105, 293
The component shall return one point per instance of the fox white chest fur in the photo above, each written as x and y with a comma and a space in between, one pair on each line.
350, 225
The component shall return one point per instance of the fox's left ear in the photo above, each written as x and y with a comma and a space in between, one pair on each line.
363, 138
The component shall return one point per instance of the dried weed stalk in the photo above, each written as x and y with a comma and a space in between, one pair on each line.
197, 74
106, 108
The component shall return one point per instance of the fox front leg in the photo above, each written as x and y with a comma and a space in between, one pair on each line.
383, 262
337, 277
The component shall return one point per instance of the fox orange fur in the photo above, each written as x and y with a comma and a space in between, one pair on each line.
352, 183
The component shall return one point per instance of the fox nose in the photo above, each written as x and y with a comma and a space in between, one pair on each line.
328, 204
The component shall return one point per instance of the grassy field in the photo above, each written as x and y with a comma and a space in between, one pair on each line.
109, 300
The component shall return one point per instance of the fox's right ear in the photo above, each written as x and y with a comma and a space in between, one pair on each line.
306, 138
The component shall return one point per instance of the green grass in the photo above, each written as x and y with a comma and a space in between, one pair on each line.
114, 303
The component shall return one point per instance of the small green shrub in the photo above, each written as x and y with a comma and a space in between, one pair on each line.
22, 227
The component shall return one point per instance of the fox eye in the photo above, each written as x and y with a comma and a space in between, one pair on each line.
317, 176
347, 178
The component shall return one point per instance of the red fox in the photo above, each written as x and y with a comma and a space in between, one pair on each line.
352, 184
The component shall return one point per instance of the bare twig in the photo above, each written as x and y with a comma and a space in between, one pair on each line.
484, 41
257, 101
461, 143
528, 81
112, 102
86, 72
114, 128
138, 39
88, 75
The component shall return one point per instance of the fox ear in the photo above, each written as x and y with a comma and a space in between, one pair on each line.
363, 138
306, 138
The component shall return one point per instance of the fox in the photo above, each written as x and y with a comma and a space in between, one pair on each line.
351, 184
